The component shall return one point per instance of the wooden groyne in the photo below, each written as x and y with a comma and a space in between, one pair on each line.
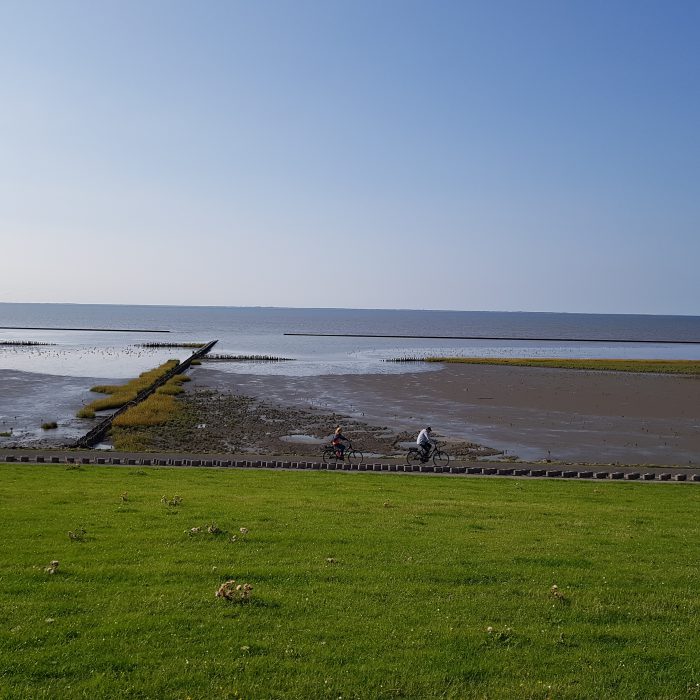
100, 330
23, 343
247, 358
170, 345
100, 430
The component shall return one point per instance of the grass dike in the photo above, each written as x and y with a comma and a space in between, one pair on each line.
250, 584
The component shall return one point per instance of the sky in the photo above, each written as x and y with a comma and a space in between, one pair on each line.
535, 155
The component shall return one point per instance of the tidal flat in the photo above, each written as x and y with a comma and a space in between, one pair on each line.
530, 413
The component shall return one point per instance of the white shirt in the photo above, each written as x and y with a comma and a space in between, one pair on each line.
424, 438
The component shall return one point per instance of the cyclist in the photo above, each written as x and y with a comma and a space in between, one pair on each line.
425, 442
339, 441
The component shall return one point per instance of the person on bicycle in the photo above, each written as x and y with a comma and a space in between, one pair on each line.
425, 442
339, 441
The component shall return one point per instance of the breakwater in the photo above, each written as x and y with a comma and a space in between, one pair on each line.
100, 430
247, 358
97, 330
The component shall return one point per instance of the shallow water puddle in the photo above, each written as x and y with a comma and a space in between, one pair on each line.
304, 439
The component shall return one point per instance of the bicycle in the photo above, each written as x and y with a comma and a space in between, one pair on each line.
332, 454
415, 456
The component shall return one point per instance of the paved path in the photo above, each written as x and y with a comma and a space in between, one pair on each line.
480, 468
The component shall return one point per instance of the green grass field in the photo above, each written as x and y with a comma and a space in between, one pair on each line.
364, 586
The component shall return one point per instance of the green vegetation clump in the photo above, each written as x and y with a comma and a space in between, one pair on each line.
131, 431
116, 400
143, 381
128, 440
173, 385
170, 389
157, 409
122, 394
49, 425
655, 366
6, 433
462, 589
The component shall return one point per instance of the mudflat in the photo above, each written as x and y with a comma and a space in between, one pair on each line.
576, 416
534, 413
28, 399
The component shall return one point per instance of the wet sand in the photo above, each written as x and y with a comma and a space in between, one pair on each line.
28, 399
534, 413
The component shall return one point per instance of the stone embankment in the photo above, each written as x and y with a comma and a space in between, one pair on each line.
485, 469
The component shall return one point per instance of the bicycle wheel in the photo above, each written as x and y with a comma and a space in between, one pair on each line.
441, 459
413, 458
329, 455
353, 456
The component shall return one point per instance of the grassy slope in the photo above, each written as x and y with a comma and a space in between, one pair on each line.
422, 567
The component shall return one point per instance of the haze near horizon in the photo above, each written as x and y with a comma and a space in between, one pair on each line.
533, 156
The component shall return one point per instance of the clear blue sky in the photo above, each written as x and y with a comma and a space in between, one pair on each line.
495, 155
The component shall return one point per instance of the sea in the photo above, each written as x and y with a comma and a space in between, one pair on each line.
91, 340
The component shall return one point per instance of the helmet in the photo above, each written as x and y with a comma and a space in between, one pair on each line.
429, 429
338, 430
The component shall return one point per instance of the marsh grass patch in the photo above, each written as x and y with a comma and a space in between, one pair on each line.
121, 394
689, 367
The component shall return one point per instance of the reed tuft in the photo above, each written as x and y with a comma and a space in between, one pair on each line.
171, 387
157, 409
119, 395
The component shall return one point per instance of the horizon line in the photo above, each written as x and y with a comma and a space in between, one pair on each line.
346, 308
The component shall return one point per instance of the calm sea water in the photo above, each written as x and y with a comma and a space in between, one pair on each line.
262, 331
